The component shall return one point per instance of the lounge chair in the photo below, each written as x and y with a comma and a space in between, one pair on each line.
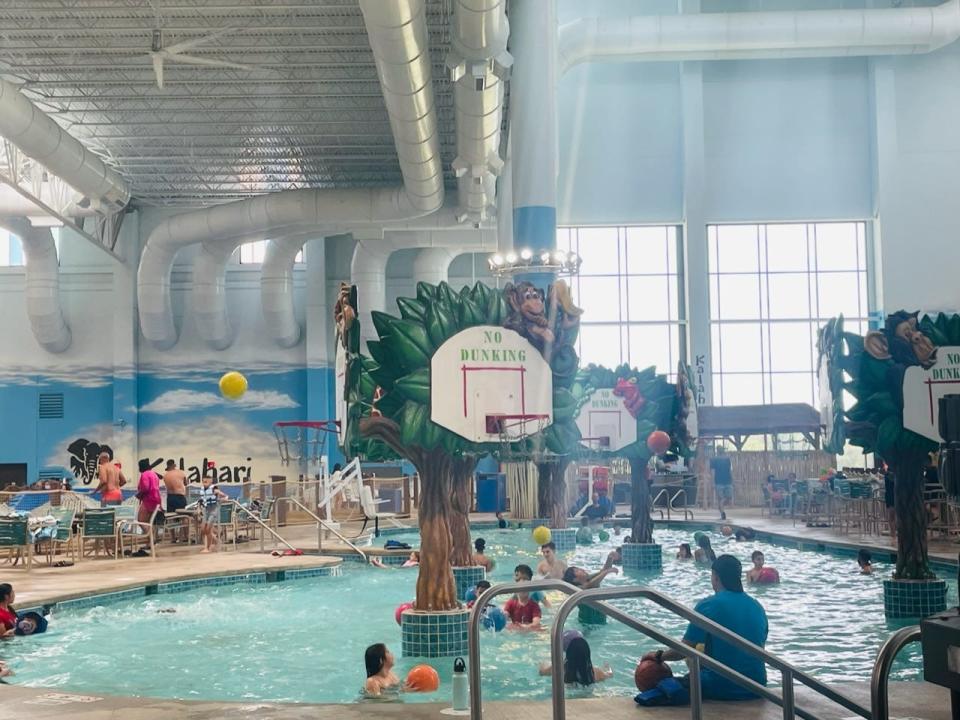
65, 536
15, 539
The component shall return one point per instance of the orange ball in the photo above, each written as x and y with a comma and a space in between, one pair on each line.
423, 678
658, 441
649, 673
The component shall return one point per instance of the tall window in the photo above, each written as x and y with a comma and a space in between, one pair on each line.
771, 288
252, 253
630, 288
11, 254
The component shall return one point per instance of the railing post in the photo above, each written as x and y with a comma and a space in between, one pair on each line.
696, 690
786, 679
879, 697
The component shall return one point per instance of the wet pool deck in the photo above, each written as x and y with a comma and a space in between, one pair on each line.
178, 562
908, 700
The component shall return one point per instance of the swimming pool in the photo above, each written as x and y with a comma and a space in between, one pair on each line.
303, 641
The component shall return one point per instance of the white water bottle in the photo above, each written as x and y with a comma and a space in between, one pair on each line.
461, 686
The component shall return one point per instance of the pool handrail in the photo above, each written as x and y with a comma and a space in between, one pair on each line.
321, 523
789, 673
256, 518
879, 678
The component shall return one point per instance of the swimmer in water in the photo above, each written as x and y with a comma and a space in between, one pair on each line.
380, 676
865, 561
760, 575
479, 558
704, 554
578, 667
684, 553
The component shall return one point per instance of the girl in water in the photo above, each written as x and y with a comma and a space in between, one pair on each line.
865, 561
704, 554
683, 553
578, 668
479, 558
380, 677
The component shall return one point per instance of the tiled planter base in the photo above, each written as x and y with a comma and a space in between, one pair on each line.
434, 634
565, 539
914, 598
642, 556
467, 578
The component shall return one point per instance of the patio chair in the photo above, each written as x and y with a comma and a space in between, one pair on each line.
99, 528
15, 539
250, 526
65, 537
228, 523
136, 533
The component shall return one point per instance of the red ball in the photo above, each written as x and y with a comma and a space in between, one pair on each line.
649, 673
423, 678
658, 442
400, 609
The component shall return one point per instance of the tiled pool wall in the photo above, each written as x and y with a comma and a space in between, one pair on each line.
176, 586
467, 579
642, 556
434, 634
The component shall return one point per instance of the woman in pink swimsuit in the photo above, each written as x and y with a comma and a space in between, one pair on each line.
148, 492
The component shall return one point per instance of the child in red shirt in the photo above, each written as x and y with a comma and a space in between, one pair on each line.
523, 612
8, 616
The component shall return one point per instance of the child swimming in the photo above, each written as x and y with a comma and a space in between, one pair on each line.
760, 575
578, 668
865, 561
683, 552
704, 554
379, 661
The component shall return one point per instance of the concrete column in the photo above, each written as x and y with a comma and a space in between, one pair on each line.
319, 341
125, 353
887, 223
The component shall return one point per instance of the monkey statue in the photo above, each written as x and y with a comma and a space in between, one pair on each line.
528, 313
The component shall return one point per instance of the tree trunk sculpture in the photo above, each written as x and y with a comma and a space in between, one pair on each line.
436, 588
912, 558
463, 467
552, 492
642, 525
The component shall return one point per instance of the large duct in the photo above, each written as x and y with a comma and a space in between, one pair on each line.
478, 63
432, 265
368, 270
209, 290
276, 288
760, 35
42, 285
40, 138
398, 37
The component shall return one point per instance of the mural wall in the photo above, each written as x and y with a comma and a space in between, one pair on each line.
116, 393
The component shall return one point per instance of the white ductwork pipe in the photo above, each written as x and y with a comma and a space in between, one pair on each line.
276, 288
40, 138
760, 35
432, 265
42, 285
368, 270
478, 62
398, 37
209, 290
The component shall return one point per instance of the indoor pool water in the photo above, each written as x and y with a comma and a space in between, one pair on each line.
303, 641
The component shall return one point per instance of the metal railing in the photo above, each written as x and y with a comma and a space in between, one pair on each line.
879, 678
321, 525
687, 514
695, 658
256, 518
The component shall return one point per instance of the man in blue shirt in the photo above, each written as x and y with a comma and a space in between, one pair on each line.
731, 608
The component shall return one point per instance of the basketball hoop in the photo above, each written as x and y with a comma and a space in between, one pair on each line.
593, 446
303, 441
516, 432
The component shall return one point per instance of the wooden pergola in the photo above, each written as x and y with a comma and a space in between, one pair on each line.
736, 423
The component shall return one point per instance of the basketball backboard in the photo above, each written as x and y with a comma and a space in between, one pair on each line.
605, 423
488, 371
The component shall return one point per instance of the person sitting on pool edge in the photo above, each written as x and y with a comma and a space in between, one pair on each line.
578, 667
523, 573
479, 558
523, 611
731, 608
865, 561
760, 575
380, 676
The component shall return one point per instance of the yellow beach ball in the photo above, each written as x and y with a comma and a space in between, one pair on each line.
541, 535
233, 385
